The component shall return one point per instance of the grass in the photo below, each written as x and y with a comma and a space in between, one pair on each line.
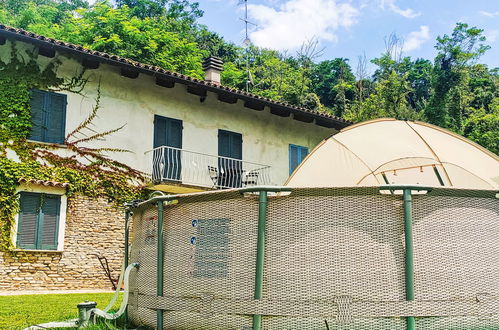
19, 312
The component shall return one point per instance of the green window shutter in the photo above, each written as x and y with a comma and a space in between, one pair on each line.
304, 153
168, 132
49, 222
28, 220
39, 216
37, 115
293, 158
56, 117
174, 133
230, 144
224, 143
48, 116
296, 155
237, 146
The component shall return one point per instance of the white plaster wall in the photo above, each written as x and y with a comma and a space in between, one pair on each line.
134, 102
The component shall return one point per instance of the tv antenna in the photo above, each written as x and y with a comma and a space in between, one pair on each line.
247, 43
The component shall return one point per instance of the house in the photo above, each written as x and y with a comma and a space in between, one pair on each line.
185, 134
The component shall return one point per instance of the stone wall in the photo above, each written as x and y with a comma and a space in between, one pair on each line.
93, 227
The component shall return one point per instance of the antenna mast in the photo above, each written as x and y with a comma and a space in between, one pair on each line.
247, 43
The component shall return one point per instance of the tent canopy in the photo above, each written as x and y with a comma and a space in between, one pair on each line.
389, 151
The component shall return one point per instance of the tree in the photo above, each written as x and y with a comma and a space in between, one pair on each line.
419, 77
364, 86
118, 31
345, 93
388, 100
27, 14
455, 53
391, 59
181, 10
144, 8
278, 77
416, 72
483, 127
305, 58
214, 45
483, 85
331, 77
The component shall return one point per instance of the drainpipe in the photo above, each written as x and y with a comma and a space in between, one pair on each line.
260, 254
159, 265
409, 255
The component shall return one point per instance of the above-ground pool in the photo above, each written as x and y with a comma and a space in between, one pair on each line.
317, 258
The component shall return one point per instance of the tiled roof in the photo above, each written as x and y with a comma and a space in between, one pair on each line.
281, 108
44, 183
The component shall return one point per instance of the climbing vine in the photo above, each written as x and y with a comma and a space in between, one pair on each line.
89, 171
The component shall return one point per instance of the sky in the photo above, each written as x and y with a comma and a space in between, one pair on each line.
352, 28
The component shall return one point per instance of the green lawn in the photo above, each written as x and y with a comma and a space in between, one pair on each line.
18, 312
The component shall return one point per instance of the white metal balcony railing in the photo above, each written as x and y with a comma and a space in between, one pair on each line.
198, 169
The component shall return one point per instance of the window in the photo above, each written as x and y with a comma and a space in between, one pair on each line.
296, 155
48, 116
38, 221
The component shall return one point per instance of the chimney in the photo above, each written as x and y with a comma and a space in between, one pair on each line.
212, 67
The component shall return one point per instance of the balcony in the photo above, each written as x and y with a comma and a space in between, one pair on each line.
188, 168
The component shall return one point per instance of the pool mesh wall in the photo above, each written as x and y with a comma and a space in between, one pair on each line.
334, 258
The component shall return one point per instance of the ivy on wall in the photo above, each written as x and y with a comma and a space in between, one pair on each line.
88, 170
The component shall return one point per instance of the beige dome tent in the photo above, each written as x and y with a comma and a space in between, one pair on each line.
389, 151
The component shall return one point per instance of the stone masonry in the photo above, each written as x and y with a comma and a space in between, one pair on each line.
93, 227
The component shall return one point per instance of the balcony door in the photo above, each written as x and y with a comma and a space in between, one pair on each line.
230, 152
167, 161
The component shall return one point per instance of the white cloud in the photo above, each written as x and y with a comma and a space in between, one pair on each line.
489, 14
407, 13
295, 21
492, 35
415, 39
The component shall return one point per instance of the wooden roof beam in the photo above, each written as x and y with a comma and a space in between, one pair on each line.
129, 73
168, 83
90, 64
255, 105
47, 52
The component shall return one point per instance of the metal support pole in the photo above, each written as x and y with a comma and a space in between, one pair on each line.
160, 265
127, 218
409, 255
125, 261
260, 254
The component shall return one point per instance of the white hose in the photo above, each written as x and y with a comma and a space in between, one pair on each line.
64, 324
124, 277
124, 302
117, 291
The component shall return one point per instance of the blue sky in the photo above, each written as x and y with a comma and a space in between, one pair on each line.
356, 27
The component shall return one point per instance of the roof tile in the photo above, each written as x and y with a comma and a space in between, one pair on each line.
46, 183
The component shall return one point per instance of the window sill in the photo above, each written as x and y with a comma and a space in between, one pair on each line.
35, 250
59, 145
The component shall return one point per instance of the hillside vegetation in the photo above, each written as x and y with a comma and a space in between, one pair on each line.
453, 90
